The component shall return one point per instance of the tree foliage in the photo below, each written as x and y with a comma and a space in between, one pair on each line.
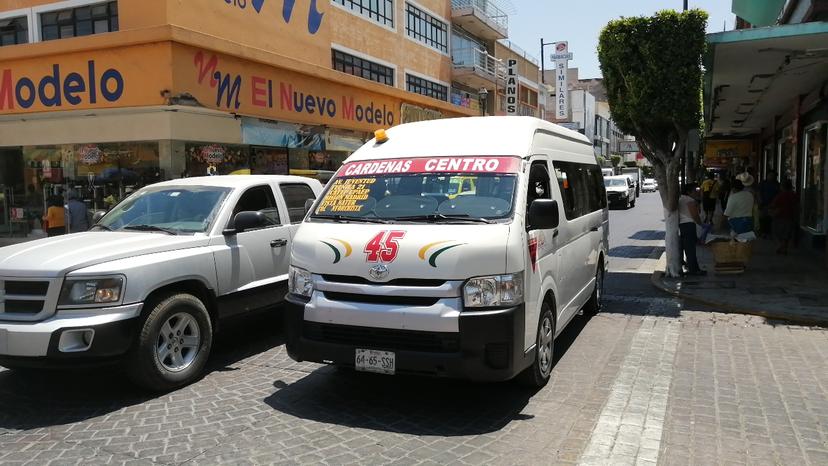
616, 160
653, 76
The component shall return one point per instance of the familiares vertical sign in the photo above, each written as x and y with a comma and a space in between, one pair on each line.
512, 87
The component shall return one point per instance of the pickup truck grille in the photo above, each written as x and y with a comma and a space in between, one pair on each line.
23, 299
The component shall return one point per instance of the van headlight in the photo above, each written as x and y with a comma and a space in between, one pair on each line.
494, 291
91, 291
300, 282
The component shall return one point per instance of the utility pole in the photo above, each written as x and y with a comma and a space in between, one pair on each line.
543, 44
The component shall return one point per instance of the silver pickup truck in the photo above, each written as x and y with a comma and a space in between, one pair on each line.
149, 285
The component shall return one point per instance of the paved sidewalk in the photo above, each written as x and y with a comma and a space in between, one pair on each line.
792, 287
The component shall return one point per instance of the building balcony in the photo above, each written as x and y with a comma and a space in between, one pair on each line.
480, 17
476, 68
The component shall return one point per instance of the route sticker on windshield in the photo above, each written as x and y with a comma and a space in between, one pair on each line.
347, 195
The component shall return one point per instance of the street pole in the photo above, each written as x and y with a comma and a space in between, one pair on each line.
685, 5
543, 67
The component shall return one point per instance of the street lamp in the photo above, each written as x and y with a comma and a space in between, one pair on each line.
483, 93
543, 44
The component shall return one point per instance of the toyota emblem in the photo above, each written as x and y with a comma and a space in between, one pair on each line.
378, 272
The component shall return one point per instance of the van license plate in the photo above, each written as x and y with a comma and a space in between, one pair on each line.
381, 362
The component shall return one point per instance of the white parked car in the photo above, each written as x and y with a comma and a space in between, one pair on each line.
152, 281
649, 185
392, 274
620, 190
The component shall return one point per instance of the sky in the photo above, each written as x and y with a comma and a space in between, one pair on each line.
580, 22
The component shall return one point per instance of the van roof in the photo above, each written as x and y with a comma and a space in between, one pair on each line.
486, 136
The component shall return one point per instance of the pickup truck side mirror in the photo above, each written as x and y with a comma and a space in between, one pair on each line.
309, 205
543, 214
244, 221
97, 216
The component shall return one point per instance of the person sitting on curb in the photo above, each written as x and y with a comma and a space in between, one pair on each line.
688, 219
739, 211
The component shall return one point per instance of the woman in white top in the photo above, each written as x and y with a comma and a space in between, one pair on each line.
688, 210
739, 211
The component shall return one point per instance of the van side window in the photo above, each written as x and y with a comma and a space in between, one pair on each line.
295, 196
538, 183
258, 199
582, 188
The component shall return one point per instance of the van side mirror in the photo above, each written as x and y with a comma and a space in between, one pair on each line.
309, 205
543, 215
97, 216
244, 221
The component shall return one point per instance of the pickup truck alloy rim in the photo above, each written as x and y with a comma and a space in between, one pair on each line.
545, 350
178, 343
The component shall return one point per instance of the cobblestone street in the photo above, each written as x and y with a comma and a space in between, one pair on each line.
647, 381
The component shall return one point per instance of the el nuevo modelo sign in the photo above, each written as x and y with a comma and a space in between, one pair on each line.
227, 83
62, 87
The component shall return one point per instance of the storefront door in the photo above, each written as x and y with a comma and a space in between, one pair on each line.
814, 183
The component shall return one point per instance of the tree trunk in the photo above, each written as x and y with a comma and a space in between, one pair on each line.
668, 186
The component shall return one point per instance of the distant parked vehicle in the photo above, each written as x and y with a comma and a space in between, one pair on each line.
649, 185
637, 177
620, 191
607, 172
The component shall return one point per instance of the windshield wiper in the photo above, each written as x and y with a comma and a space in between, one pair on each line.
437, 217
345, 218
150, 228
102, 227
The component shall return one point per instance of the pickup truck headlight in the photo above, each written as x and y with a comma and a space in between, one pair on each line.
300, 282
498, 290
91, 291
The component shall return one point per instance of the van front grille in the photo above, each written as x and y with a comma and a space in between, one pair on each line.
382, 338
422, 301
412, 282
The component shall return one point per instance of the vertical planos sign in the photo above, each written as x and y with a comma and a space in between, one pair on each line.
512, 87
561, 58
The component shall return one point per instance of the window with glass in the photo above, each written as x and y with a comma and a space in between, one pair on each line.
381, 11
813, 189
425, 87
81, 21
363, 68
426, 28
787, 156
258, 199
582, 188
295, 197
14, 31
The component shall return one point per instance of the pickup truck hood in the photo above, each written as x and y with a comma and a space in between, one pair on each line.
56, 256
616, 189
426, 251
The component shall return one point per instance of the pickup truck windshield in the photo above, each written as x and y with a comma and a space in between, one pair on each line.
441, 195
610, 182
169, 209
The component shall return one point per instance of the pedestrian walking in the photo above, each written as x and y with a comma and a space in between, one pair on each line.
710, 193
768, 189
77, 213
783, 209
688, 219
739, 211
55, 218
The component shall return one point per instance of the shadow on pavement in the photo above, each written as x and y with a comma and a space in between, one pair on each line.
636, 252
647, 235
39, 398
407, 404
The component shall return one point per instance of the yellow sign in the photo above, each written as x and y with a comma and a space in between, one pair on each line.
719, 148
347, 195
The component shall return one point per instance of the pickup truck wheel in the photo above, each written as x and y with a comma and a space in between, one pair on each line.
173, 345
537, 375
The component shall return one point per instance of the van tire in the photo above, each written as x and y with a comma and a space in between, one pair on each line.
143, 363
632, 204
537, 375
594, 305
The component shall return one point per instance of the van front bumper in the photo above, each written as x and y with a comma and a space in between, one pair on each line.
488, 347
57, 341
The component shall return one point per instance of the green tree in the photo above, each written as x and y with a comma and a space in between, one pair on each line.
653, 76
616, 160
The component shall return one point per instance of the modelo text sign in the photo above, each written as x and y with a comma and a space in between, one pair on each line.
239, 86
511, 87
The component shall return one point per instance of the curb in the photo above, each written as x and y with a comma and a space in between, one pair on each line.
656, 280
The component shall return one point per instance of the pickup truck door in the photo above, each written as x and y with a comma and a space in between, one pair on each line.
252, 266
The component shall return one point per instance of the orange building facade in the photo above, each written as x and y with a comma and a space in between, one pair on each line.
107, 96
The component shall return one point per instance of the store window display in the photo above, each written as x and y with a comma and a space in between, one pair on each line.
813, 189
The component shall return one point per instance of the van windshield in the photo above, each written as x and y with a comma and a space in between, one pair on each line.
440, 195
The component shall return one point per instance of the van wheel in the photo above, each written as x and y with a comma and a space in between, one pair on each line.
173, 345
627, 204
593, 306
632, 204
537, 375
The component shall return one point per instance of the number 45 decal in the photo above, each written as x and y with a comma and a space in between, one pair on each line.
384, 247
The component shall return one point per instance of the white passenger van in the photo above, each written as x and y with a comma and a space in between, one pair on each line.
391, 272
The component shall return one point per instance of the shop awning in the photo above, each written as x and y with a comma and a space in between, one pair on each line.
753, 75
